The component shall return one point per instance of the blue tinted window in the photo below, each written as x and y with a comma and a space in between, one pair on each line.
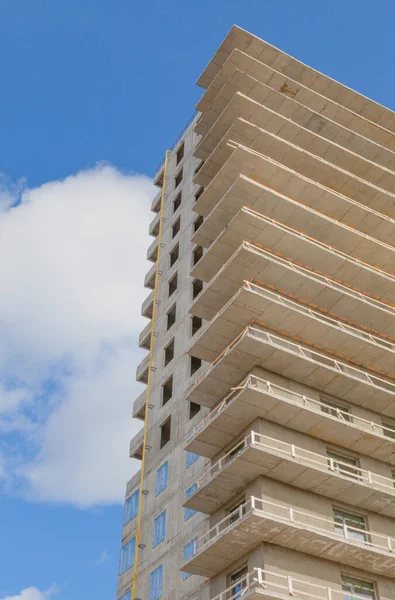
127, 555
155, 584
189, 512
191, 458
131, 507
159, 529
189, 551
161, 478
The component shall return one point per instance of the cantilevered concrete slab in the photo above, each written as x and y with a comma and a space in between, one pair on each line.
256, 304
260, 397
259, 454
291, 67
272, 174
264, 521
257, 346
246, 193
297, 282
242, 71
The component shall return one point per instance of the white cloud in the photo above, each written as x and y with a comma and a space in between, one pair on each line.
32, 593
72, 269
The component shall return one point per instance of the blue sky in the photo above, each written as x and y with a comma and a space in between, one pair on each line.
87, 82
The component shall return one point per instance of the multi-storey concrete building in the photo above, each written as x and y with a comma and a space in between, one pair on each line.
270, 447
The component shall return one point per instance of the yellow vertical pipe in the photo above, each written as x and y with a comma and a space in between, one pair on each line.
147, 399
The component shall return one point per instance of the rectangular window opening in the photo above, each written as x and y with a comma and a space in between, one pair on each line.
178, 178
197, 223
165, 431
199, 193
176, 227
174, 255
159, 529
196, 323
197, 287
131, 507
171, 316
349, 525
343, 464
162, 475
334, 409
177, 202
156, 584
167, 391
190, 458
193, 409
197, 254
196, 363
180, 153
189, 512
169, 352
357, 588
173, 283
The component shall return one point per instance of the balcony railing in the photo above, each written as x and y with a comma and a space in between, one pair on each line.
294, 453
276, 585
265, 386
297, 519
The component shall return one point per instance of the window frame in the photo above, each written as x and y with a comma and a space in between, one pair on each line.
190, 512
131, 543
133, 501
190, 459
162, 473
159, 529
156, 578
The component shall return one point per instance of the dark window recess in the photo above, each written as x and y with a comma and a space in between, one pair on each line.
176, 227
196, 363
199, 193
180, 154
167, 391
193, 409
178, 178
198, 223
177, 202
173, 284
165, 432
197, 254
197, 287
199, 166
171, 316
196, 324
174, 254
169, 352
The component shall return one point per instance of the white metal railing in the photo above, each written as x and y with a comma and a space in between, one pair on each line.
283, 585
309, 459
303, 352
264, 386
316, 314
297, 519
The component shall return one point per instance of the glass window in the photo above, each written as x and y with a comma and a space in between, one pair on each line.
189, 512
189, 551
127, 555
388, 429
357, 589
161, 478
159, 528
236, 511
191, 457
345, 465
350, 526
240, 583
131, 507
155, 584
335, 410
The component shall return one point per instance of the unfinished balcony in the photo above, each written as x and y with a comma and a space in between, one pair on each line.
376, 192
154, 226
254, 304
263, 170
152, 252
259, 520
259, 454
147, 307
143, 369
251, 263
284, 241
139, 406
145, 337
258, 397
263, 584
155, 206
257, 346
149, 279
301, 216
136, 445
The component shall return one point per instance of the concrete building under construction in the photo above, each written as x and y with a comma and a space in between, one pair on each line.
268, 447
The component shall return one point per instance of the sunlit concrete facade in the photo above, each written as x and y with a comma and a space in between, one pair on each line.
283, 335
